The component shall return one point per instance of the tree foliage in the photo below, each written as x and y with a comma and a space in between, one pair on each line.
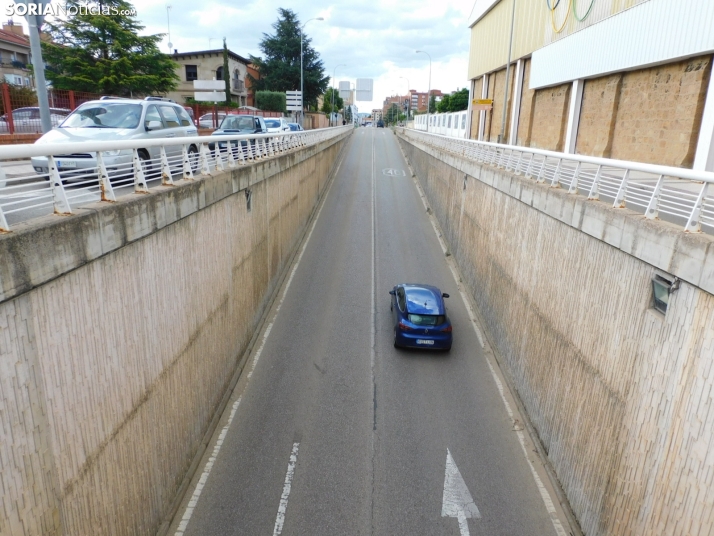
327, 101
104, 53
457, 101
271, 101
279, 68
432, 104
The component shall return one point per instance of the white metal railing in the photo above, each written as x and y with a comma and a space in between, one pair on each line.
103, 171
678, 195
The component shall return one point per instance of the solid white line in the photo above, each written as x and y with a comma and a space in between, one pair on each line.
545, 495
206, 471
280, 519
374, 260
209, 465
539, 483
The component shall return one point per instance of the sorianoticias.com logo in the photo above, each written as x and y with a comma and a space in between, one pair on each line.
63, 10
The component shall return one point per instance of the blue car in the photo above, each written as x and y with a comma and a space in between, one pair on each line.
419, 316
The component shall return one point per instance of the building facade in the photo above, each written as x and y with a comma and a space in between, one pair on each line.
208, 65
626, 79
15, 55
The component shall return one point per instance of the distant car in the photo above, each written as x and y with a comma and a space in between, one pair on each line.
380, 124
295, 127
239, 124
206, 120
110, 119
419, 317
277, 124
27, 120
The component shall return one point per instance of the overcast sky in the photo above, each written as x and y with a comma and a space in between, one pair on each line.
372, 38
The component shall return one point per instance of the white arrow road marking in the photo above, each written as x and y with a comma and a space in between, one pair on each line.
280, 519
457, 500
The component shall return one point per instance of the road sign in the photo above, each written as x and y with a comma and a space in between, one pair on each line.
482, 101
209, 85
486, 107
293, 101
212, 96
345, 90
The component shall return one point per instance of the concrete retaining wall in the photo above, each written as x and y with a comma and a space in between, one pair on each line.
121, 328
620, 394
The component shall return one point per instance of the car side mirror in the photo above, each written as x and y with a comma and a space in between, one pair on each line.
392, 293
444, 295
154, 125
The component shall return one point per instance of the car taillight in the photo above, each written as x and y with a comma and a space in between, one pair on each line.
447, 329
404, 327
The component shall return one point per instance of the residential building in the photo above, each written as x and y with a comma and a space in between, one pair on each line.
377, 114
15, 55
208, 65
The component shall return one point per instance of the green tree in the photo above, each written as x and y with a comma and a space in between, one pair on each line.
327, 101
272, 101
459, 100
432, 104
104, 53
393, 114
280, 67
226, 72
443, 105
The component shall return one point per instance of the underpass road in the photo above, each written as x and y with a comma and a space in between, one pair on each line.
331, 430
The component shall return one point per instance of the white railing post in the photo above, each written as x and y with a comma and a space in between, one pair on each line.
541, 172
105, 185
693, 223
620, 197
139, 176
518, 163
530, 167
231, 159
219, 157
187, 167
59, 197
555, 183
3, 222
573, 189
205, 166
652, 211
594, 193
166, 178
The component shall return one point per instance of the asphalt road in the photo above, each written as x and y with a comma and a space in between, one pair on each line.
331, 430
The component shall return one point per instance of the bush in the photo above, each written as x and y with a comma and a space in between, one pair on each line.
270, 101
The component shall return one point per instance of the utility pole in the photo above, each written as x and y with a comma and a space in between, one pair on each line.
35, 22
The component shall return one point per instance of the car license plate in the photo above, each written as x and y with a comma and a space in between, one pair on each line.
424, 341
65, 164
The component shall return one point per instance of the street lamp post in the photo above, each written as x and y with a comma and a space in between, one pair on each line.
409, 97
302, 98
428, 94
332, 106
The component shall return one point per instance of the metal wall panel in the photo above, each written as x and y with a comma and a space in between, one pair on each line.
655, 31
601, 9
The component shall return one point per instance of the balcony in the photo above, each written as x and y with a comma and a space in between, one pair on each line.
238, 85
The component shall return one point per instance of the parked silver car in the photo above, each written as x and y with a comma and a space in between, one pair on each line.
27, 120
119, 119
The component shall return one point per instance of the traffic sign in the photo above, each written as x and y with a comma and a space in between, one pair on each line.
293, 100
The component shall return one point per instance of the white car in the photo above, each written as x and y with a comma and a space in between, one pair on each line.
277, 124
206, 120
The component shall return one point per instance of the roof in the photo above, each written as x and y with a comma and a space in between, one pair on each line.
11, 37
424, 299
215, 52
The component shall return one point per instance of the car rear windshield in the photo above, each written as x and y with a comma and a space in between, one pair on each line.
427, 320
104, 115
237, 123
272, 123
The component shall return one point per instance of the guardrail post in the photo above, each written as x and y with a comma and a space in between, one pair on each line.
652, 211
541, 172
219, 157
574, 183
555, 183
187, 169
203, 151
231, 159
594, 193
3, 222
166, 178
530, 167
139, 175
516, 169
620, 201
105, 185
61, 205
693, 223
